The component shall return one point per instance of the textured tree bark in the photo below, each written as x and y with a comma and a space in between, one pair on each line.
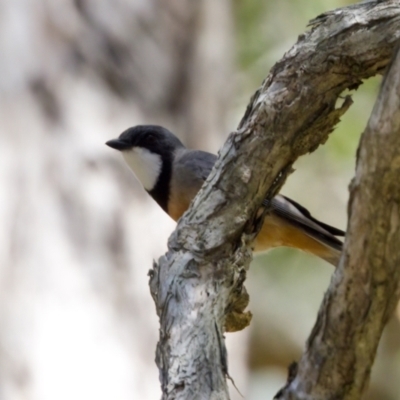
365, 287
198, 286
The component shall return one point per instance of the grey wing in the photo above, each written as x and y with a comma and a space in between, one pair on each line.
298, 216
190, 171
197, 163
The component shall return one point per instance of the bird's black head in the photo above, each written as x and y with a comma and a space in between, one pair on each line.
154, 138
149, 151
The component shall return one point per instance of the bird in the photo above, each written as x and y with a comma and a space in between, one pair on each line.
173, 174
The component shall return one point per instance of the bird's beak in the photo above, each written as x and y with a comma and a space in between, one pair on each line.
118, 144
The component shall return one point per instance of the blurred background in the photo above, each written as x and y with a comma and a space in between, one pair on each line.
78, 233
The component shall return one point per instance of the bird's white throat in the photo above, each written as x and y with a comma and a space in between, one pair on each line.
145, 165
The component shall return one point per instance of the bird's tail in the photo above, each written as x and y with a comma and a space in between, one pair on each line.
306, 232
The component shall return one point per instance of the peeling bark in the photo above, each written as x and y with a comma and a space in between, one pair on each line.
198, 285
365, 287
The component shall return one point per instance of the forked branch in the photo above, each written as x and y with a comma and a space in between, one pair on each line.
198, 285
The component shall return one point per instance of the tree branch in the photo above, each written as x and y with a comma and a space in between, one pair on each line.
198, 285
365, 287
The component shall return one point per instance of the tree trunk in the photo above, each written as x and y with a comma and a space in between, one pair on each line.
198, 286
365, 287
